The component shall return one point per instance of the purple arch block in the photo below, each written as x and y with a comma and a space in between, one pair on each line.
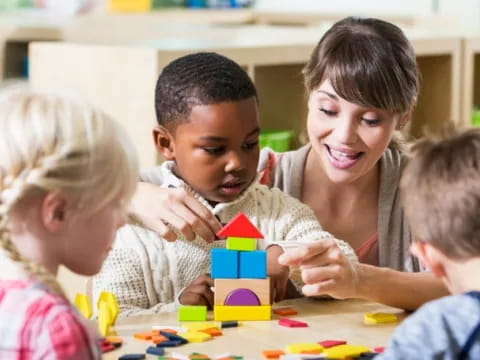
243, 297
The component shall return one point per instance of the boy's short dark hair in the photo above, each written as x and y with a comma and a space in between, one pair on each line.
440, 190
198, 79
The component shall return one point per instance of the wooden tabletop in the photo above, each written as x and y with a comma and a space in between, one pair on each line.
327, 320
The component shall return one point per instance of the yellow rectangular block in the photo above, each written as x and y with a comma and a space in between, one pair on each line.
245, 313
379, 318
129, 5
261, 288
345, 351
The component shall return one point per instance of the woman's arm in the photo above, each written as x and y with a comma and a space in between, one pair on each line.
163, 209
325, 272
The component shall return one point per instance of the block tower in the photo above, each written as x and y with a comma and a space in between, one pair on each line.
242, 288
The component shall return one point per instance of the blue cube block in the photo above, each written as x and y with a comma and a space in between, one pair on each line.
224, 264
253, 264
153, 350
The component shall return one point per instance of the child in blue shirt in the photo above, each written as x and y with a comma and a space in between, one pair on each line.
441, 193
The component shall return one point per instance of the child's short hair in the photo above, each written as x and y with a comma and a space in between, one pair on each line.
440, 190
369, 62
198, 79
51, 143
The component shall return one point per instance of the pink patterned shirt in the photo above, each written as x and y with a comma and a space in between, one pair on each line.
36, 324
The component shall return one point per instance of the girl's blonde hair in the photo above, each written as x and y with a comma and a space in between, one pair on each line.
54, 143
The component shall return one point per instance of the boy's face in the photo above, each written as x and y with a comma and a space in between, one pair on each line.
216, 151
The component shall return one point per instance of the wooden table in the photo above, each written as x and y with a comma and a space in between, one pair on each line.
327, 319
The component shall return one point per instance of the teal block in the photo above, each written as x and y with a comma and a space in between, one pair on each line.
253, 264
241, 243
224, 264
192, 313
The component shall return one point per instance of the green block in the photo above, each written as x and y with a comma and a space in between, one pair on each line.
192, 313
241, 244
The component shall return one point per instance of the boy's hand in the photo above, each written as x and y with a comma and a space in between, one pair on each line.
157, 208
278, 273
198, 292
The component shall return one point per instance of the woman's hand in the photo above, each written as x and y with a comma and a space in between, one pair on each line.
162, 209
199, 292
325, 269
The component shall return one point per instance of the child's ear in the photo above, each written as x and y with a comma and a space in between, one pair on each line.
54, 211
164, 142
404, 119
430, 256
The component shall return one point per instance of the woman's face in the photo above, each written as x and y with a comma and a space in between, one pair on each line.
348, 139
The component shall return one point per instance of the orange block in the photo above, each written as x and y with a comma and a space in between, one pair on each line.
212, 331
158, 339
272, 354
285, 311
143, 335
114, 339
170, 331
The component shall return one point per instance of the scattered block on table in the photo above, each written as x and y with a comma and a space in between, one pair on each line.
212, 331
82, 302
198, 356
291, 323
224, 264
253, 264
170, 343
225, 313
379, 349
260, 287
241, 243
154, 350
229, 324
366, 356
198, 326
304, 348
272, 354
379, 318
106, 346
345, 351
156, 330
240, 226
195, 336
285, 311
147, 335
115, 340
173, 337
112, 304
192, 313
156, 339
132, 357
331, 343
104, 318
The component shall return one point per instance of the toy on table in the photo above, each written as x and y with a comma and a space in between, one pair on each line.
242, 288
107, 310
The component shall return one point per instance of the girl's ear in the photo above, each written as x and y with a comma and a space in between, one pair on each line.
404, 119
54, 212
164, 142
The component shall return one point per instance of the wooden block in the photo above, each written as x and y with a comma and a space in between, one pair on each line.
285, 311
224, 313
331, 343
104, 318
198, 326
240, 226
212, 332
345, 351
224, 264
132, 357
195, 336
156, 339
143, 335
129, 5
261, 288
241, 243
252, 264
379, 349
112, 304
192, 313
153, 350
272, 354
291, 323
229, 324
379, 318
304, 348
82, 302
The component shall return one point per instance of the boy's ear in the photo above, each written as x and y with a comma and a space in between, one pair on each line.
164, 142
430, 256
54, 212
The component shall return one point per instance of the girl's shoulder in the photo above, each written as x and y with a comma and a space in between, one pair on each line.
44, 322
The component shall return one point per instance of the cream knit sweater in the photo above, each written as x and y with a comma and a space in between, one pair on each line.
147, 273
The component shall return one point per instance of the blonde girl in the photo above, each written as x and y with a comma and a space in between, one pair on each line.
66, 173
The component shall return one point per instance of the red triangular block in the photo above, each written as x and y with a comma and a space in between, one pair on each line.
240, 226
